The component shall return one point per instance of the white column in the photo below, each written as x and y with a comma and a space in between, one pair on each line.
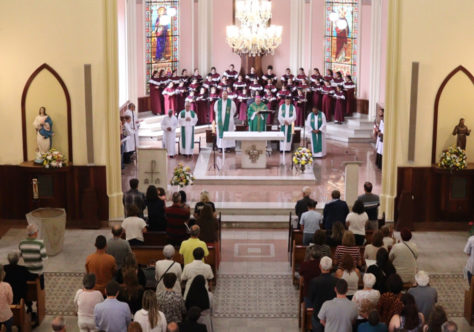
297, 21
204, 35
193, 37
351, 181
131, 26
375, 56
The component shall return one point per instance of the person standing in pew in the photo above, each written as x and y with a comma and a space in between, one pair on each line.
101, 264
155, 203
17, 276
6, 299
310, 222
134, 227
176, 218
196, 267
188, 246
118, 247
168, 265
33, 252
335, 210
302, 205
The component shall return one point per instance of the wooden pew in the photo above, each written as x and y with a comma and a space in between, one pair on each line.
35, 293
469, 303
20, 318
300, 299
297, 257
306, 319
155, 238
290, 229
296, 236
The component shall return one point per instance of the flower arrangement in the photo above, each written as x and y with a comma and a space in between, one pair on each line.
182, 176
302, 157
453, 159
53, 159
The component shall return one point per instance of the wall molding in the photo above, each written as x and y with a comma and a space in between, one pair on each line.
375, 57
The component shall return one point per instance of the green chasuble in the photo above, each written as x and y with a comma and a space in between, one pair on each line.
223, 124
316, 138
257, 124
182, 115
287, 128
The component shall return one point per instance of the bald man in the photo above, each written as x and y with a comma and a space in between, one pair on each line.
118, 247
188, 246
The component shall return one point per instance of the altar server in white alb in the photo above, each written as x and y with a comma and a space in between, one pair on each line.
224, 109
168, 125
130, 131
316, 127
287, 117
187, 119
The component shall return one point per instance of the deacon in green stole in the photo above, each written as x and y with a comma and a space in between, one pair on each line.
187, 119
256, 120
224, 110
286, 117
316, 126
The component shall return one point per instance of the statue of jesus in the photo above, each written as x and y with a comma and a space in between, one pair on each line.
462, 131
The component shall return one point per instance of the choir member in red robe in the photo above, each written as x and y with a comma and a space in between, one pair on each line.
231, 74
255, 87
269, 99
185, 78
243, 98
196, 76
288, 75
223, 84
191, 99
270, 87
282, 94
232, 95
329, 76
213, 97
327, 102
180, 95
202, 108
170, 99
208, 83
301, 77
349, 89
339, 105
316, 76
250, 77
317, 97
215, 77
300, 103
175, 78
291, 86
338, 80
269, 77
240, 84
155, 93
194, 86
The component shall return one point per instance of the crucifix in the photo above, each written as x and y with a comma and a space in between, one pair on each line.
152, 173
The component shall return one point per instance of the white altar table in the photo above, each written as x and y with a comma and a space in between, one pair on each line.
254, 146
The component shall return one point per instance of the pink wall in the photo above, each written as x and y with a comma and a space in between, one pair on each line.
140, 49
185, 35
317, 57
364, 60
281, 59
383, 62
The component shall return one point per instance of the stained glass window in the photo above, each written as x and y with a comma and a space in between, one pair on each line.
341, 52
161, 35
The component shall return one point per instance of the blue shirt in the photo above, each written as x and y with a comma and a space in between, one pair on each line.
310, 221
112, 316
366, 327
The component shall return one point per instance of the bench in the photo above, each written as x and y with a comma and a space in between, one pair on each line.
306, 318
20, 318
155, 238
35, 293
296, 236
469, 303
297, 257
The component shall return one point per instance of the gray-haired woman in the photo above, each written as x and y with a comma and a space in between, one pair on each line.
85, 300
168, 265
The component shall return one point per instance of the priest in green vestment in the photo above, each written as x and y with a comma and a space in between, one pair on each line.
316, 126
257, 121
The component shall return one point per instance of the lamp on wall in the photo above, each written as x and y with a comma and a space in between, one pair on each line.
254, 36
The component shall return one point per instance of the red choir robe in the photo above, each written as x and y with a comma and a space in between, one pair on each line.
194, 87
349, 89
339, 106
281, 95
197, 77
216, 78
180, 95
256, 88
239, 86
192, 101
170, 99
269, 78
222, 86
202, 108
301, 79
300, 103
156, 99
213, 97
327, 103
270, 100
316, 78
271, 87
185, 79
337, 82
231, 75
243, 98
250, 77
316, 97
286, 77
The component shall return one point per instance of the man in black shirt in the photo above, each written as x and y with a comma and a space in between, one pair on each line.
321, 289
17, 276
302, 205
335, 210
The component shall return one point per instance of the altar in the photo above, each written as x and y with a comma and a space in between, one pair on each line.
254, 146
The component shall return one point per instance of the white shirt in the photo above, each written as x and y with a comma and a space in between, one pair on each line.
357, 222
141, 317
160, 268
86, 301
133, 227
469, 250
193, 269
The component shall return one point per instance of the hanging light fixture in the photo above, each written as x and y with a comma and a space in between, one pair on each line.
254, 37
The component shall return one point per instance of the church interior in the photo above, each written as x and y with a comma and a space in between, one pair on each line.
249, 127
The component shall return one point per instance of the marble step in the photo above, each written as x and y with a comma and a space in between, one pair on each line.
258, 208
157, 133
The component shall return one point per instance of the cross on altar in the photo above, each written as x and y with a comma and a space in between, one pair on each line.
152, 173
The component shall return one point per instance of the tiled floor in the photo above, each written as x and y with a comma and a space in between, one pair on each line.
440, 252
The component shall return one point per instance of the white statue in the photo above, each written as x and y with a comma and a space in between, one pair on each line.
44, 133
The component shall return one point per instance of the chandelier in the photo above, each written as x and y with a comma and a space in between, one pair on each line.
253, 37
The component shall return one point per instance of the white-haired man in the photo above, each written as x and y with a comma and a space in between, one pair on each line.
302, 205
321, 289
168, 265
425, 296
366, 294
33, 252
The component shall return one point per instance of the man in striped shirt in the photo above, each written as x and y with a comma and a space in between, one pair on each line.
33, 252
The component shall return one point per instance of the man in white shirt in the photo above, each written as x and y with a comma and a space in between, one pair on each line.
168, 125
310, 221
134, 227
197, 267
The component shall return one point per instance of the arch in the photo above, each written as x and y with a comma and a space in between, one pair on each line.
30, 80
436, 105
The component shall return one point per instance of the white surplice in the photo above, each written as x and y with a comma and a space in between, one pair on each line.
322, 128
227, 143
186, 145
169, 137
284, 145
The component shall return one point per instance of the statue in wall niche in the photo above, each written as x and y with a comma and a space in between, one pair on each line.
461, 131
44, 133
